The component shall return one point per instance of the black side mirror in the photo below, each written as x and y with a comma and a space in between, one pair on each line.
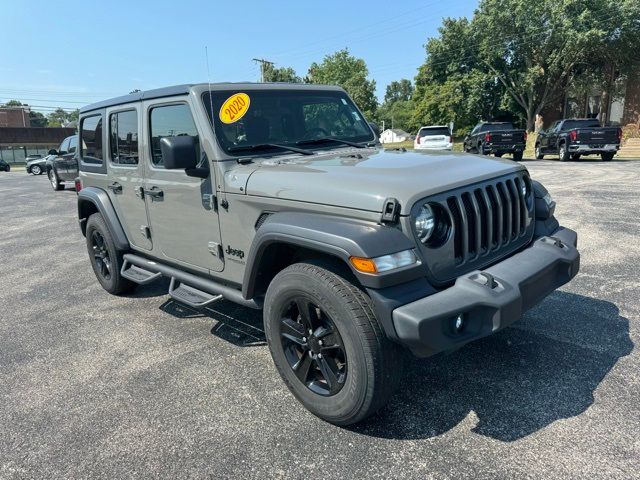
374, 127
53, 152
180, 153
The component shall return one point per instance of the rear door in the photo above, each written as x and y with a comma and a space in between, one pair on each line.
184, 220
126, 173
60, 159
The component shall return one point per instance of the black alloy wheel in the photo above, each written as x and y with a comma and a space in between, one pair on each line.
313, 347
101, 255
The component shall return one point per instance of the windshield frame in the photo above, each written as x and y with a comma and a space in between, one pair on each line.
221, 95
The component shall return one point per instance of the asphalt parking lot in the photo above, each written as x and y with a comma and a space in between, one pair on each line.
98, 386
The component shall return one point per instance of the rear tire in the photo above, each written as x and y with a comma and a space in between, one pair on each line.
53, 179
539, 154
106, 260
607, 156
575, 157
563, 153
517, 156
306, 300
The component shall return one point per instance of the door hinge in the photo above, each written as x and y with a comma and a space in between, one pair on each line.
215, 249
145, 231
210, 201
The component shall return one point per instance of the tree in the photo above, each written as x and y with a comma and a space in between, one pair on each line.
451, 86
14, 103
396, 91
350, 73
281, 74
37, 119
61, 117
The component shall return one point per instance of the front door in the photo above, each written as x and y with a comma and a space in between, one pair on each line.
126, 174
184, 220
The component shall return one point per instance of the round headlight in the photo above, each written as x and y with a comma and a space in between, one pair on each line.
425, 223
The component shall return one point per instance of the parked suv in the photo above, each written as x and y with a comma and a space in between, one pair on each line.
278, 197
437, 137
62, 164
573, 138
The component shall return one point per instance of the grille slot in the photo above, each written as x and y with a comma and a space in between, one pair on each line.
487, 219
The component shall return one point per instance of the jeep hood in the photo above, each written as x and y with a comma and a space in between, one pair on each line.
363, 179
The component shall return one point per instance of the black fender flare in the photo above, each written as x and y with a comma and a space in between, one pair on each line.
334, 236
99, 198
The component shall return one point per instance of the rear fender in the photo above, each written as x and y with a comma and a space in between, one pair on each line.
92, 200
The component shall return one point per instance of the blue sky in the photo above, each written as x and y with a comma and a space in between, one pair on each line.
74, 52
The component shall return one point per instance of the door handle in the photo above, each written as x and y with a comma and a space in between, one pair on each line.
155, 193
115, 187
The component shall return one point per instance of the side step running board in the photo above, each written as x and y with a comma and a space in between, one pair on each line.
191, 296
199, 286
137, 274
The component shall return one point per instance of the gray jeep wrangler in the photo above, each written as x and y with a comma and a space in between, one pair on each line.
279, 197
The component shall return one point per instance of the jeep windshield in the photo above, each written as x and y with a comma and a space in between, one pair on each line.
269, 121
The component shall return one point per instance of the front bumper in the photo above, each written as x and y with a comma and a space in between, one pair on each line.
488, 303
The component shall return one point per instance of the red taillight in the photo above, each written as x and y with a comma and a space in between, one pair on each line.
418, 140
619, 134
526, 135
78, 183
487, 137
448, 139
573, 135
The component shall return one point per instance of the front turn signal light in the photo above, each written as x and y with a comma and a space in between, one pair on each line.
364, 265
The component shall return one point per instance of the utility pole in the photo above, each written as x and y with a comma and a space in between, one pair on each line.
263, 63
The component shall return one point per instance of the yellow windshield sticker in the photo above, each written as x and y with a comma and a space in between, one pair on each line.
234, 108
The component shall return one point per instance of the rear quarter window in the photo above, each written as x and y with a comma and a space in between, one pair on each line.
91, 139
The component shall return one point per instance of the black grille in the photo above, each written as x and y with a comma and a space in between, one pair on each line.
488, 218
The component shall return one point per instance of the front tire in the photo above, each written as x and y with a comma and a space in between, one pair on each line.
36, 170
607, 156
327, 345
106, 259
539, 154
53, 179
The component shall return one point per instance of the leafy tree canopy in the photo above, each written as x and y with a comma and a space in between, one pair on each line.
350, 73
398, 90
281, 74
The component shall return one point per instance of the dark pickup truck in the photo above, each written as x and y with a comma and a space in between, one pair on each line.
572, 138
497, 138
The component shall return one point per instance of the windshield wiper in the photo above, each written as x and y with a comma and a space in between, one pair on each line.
312, 141
267, 146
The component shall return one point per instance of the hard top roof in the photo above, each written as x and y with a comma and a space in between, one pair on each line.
199, 88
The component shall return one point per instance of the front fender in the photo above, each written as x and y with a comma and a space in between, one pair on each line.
92, 199
335, 236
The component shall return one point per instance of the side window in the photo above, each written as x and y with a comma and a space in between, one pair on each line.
73, 144
123, 136
91, 139
170, 121
64, 146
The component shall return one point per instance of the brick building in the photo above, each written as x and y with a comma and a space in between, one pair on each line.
16, 143
14, 117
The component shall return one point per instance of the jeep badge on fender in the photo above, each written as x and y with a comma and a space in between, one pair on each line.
353, 253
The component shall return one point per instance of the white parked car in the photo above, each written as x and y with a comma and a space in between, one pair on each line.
435, 137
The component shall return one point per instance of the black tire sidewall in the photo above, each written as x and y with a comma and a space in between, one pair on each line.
115, 284
286, 286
